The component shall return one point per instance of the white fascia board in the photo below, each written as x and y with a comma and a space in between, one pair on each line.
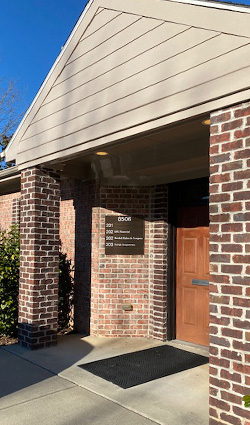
5, 152
12, 178
9, 172
216, 5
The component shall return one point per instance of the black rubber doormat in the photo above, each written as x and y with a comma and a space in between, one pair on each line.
129, 370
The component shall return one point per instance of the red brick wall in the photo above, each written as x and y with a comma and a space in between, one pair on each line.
230, 265
67, 219
39, 258
125, 279
120, 279
139, 280
9, 210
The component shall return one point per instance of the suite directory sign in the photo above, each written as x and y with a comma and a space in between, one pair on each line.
124, 235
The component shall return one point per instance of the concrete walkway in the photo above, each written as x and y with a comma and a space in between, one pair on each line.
47, 386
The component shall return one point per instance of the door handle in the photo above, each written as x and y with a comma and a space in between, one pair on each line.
200, 282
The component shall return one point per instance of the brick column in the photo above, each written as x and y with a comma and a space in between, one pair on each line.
159, 239
39, 262
230, 265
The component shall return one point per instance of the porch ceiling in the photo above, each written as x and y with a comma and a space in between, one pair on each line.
173, 154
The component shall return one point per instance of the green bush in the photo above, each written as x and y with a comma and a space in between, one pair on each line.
9, 276
246, 400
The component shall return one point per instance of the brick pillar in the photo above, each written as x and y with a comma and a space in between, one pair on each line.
159, 239
39, 262
230, 265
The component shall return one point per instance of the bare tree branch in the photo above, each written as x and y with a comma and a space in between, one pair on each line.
10, 115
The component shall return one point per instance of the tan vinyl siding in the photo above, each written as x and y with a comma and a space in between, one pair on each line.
98, 125
225, 21
100, 9
128, 69
112, 56
124, 63
187, 59
96, 96
97, 44
99, 21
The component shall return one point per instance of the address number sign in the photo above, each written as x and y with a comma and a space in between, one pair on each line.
124, 235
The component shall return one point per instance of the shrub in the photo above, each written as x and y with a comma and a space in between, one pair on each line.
9, 276
246, 400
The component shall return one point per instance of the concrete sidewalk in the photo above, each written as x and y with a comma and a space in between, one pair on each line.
47, 387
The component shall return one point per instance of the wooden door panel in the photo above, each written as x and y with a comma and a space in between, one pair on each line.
188, 313
192, 303
189, 255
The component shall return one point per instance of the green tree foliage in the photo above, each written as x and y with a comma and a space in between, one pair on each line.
9, 276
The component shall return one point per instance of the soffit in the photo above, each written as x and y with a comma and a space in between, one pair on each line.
172, 154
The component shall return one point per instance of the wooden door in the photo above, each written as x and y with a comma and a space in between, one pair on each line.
192, 304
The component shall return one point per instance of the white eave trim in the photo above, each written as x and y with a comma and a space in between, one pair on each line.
216, 5
12, 178
10, 172
49, 74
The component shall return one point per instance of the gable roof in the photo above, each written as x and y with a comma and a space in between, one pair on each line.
129, 66
218, 4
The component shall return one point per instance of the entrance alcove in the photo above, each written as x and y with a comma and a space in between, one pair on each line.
154, 168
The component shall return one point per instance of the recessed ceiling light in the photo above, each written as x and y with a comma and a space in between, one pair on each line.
206, 122
101, 153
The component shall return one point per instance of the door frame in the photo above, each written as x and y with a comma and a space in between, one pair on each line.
176, 199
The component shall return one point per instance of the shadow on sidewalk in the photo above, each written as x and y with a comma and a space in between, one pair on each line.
21, 368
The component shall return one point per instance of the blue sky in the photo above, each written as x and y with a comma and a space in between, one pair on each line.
32, 33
